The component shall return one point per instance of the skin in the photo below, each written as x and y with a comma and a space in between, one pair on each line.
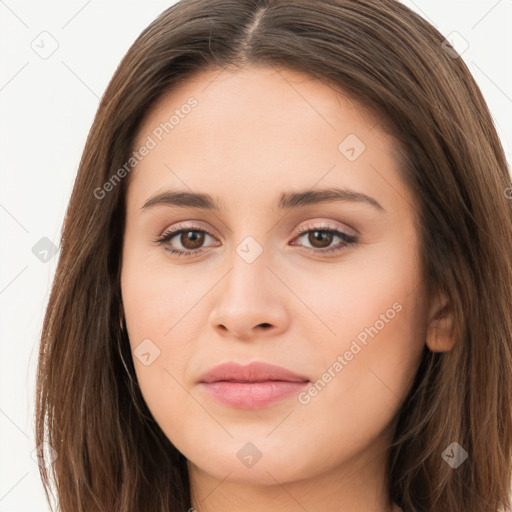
255, 134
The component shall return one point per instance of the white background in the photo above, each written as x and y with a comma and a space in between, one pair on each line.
46, 109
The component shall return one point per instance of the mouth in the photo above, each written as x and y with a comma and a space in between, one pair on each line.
252, 386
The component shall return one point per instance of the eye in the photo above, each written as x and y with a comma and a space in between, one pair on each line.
191, 239
321, 237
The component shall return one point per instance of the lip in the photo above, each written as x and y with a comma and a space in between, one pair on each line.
252, 386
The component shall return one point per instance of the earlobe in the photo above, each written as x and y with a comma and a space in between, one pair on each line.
440, 332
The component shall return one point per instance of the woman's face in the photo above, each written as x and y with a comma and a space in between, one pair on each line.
309, 261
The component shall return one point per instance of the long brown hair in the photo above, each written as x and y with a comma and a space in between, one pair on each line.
111, 454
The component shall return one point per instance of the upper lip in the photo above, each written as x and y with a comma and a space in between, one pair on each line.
253, 372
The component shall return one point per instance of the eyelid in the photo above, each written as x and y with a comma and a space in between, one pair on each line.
198, 226
189, 224
320, 225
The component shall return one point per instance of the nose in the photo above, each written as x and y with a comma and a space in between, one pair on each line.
250, 301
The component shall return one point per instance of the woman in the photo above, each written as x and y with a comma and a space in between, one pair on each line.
284, 279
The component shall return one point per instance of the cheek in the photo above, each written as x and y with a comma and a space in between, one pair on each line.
164, 317
371, 294
371, 335
155, 309
157, 298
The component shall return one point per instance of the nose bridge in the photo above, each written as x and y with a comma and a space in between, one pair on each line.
248, 277
248, 296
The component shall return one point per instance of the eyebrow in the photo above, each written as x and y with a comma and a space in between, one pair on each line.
288, 200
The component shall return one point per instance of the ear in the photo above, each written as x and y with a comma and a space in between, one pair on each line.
440, 331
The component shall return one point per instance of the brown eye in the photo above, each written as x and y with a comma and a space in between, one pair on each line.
184, 241
320, 239
192, 239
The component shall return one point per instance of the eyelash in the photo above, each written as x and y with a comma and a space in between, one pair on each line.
348, 240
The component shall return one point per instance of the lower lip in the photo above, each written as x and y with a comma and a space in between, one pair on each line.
252, 395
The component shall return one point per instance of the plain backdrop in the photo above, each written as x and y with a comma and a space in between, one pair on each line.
56, 61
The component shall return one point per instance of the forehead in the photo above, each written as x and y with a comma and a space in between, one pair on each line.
258, 130
250, 94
